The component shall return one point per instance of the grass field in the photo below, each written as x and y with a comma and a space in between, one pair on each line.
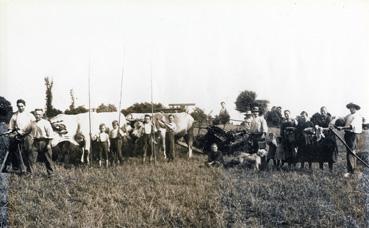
185, 193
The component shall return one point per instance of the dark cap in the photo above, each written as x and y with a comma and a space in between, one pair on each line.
352, 105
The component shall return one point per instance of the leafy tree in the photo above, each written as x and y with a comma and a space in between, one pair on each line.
144, 107
246, 100
106, 108
6, 110
50, 110
79, 109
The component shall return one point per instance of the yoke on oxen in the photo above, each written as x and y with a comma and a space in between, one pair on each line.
242, 144
233, 141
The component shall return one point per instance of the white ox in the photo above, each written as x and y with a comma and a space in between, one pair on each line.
184, 122
76, 128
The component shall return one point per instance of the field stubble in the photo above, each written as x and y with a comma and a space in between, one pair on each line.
185, 193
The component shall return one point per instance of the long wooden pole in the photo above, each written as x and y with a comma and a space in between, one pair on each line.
121, 91
89, 106
152, 115
348, 148
151, 96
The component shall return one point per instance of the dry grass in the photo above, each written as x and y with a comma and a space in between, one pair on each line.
185, 193
298, 199
168, 194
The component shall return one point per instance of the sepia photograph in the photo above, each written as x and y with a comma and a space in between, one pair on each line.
239, 113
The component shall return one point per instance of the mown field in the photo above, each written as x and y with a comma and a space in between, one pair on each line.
186, 193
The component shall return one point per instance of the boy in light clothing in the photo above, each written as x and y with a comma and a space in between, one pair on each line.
103, 143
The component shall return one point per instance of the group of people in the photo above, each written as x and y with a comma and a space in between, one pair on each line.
30, 139
148, 135
294, 142
30, 136
110, 143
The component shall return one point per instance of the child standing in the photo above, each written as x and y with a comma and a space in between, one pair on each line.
103, 144
116, 142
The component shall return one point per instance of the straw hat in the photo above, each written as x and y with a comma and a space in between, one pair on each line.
355, 106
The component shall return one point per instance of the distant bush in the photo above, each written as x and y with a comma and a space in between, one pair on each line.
144, 107
106, 108
79, 109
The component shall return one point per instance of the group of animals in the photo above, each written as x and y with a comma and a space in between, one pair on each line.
72, 133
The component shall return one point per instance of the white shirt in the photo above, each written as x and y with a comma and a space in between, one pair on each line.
148, 127
22, 120
114, 133
259, 125
355, 121
103, 137
43, 129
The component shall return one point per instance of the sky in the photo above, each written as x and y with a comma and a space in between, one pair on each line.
297, 54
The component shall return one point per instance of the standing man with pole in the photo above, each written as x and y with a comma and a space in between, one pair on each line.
353, 127
21, 145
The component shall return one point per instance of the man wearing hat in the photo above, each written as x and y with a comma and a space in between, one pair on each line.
259, 124
353, 127
246, 124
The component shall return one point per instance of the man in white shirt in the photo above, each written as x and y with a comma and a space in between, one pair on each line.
259, 124
147, 137
24, 123
353, 127
41, 142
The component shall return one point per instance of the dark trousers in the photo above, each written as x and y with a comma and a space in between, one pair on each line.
43, 148
116, 149
21, 155
103, 151
169, 145
351, 139
147, 146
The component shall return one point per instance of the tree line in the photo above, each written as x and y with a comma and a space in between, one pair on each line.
245, 101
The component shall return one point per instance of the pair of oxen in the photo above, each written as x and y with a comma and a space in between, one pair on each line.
72, 141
